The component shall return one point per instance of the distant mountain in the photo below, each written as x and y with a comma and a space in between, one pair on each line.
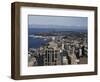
58, 27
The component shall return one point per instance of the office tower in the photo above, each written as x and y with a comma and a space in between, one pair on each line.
52, 56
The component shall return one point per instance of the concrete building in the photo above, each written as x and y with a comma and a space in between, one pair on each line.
52, 54
65, 60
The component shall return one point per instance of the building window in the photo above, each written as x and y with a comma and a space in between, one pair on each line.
56, 55
48, 57
45, 55
52, 57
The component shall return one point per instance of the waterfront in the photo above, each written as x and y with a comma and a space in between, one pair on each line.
70, 47
34, 42
57, 40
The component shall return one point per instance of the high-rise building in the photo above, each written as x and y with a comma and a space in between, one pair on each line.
52, 56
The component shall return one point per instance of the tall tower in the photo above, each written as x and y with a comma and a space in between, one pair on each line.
52, 56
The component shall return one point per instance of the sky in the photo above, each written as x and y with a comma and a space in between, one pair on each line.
58, 20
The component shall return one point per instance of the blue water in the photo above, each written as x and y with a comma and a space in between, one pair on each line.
37, 42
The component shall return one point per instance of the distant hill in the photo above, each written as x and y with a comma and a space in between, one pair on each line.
58, 27
54, 28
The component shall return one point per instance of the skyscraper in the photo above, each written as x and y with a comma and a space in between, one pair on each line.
52, 56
